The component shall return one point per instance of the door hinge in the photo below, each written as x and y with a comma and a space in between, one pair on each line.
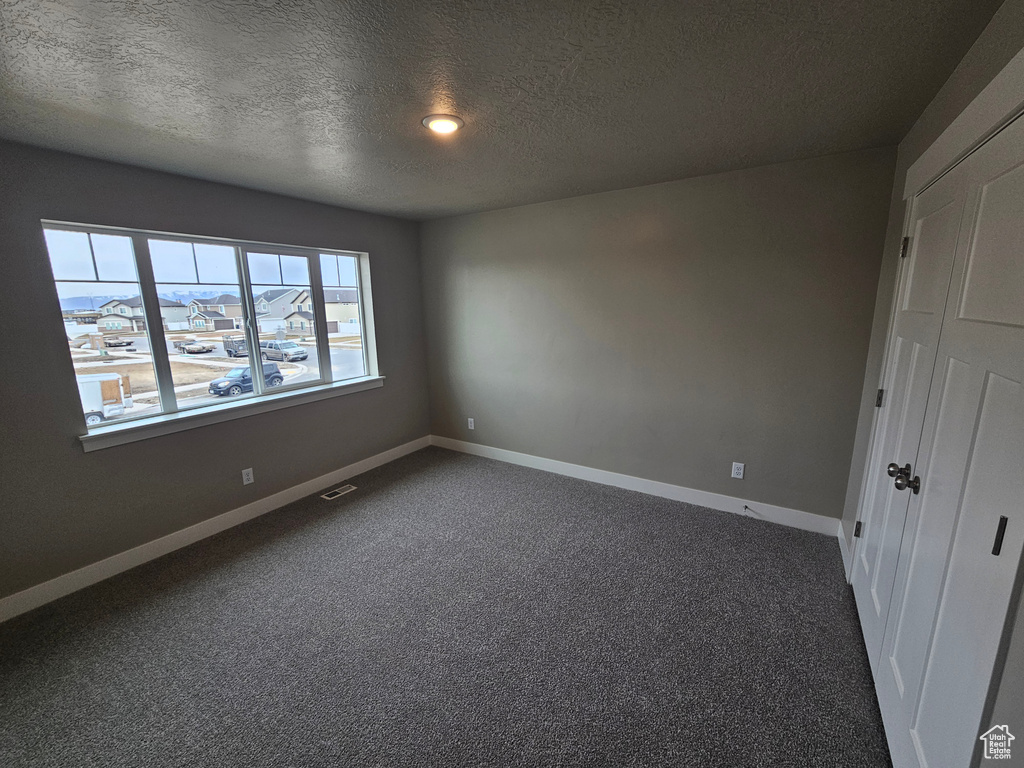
880, 398
856, 530
905, 247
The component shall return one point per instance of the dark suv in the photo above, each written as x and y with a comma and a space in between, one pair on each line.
239, 380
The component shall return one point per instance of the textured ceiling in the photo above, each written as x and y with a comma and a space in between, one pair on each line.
323, 99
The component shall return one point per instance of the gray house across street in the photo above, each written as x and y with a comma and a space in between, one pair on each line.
128, 315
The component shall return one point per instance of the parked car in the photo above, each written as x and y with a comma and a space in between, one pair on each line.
116, 341
104, 396
235, 346
239, 380
282, 350
193, 347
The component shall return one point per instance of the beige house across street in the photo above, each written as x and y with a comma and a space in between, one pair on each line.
220, 313
300, 321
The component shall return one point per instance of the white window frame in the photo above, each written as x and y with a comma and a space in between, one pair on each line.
174, 418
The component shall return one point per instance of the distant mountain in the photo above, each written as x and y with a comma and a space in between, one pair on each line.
95, 302
186, 296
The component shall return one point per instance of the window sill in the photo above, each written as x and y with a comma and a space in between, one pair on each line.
142, 429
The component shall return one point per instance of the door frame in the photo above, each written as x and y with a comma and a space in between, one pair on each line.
995, 107
869, 474
998, 104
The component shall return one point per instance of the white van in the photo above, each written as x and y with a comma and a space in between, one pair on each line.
104, 396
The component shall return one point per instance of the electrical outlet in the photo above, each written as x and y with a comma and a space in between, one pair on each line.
472, 425
737, 470
247, 477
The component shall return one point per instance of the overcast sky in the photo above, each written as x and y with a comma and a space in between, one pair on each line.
198, 268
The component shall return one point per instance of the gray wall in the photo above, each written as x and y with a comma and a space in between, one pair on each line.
62, 508
666, 331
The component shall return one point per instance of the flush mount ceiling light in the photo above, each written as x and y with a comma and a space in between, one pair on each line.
443, 123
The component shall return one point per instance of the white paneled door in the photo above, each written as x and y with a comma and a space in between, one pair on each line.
920, 302
960, 544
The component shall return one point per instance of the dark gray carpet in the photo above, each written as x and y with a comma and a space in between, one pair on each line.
455, 611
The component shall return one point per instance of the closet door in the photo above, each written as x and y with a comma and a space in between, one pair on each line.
964, 531
921, 299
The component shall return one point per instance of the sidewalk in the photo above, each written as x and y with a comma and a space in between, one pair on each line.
289, 374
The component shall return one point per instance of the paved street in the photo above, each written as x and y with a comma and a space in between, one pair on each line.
346, 363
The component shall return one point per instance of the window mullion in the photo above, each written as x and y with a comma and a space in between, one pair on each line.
92, 254
366, 330
319, 302
252, 325
154, 324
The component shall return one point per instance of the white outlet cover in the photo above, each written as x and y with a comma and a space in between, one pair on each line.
472, 424
247, 477
737, 470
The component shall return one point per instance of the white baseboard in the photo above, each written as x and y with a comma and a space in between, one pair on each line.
793, 518
847, 555
33, 597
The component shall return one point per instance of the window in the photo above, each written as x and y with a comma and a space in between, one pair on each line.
182, 359
90, 270
205, 272
289, 272
343, 305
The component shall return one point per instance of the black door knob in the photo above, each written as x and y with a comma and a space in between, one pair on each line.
895, 470
903, 482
